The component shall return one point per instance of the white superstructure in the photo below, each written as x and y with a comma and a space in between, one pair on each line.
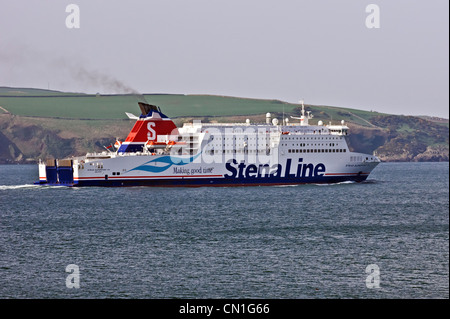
156, 153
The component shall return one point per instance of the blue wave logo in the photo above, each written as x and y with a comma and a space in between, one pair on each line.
161, 164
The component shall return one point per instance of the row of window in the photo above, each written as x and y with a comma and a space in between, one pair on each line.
236, 145
98, 165
245, 151
323, 150
311, 138
283, 144
263, 137
307, 144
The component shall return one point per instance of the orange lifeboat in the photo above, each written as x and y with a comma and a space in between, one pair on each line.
153, 144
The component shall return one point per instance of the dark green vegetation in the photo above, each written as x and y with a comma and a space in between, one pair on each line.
36, 123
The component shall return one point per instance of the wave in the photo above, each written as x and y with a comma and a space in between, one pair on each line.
8, 187
26, 186
317, 184
340, 183
288, 185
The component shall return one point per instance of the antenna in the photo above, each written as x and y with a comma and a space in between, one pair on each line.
303, 107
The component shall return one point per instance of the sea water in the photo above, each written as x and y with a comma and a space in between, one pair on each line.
387, 237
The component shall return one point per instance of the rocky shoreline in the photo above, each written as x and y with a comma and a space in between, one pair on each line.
26, 140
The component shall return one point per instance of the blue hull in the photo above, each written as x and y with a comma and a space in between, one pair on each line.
200, 182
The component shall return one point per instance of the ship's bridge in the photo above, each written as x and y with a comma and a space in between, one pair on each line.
338, 129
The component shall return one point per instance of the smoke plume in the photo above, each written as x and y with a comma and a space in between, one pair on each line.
22, 64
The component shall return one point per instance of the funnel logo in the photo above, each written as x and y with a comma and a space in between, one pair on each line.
151, 135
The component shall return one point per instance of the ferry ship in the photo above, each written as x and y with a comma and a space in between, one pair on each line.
158, 153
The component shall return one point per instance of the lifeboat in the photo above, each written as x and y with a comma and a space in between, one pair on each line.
153, 144
172, 143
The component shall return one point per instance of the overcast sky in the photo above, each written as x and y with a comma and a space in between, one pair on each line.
317, 50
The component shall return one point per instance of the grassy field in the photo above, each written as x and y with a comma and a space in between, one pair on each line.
53, 104
115, 106
80, 107
9, 91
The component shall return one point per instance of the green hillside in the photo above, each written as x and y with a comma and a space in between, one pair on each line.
36, 123
70, 107
11, 91
63, 105
115, 106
